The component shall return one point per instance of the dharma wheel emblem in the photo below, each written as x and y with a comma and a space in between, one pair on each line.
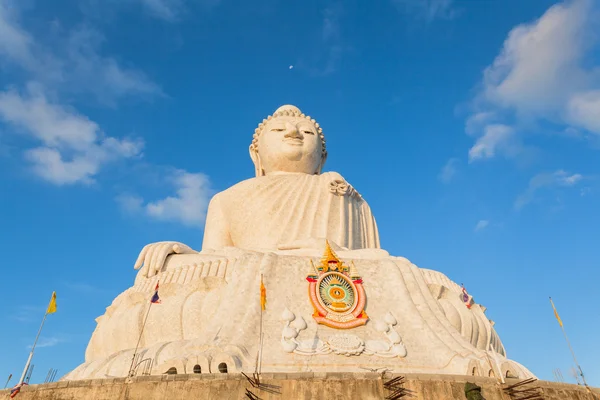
336, 293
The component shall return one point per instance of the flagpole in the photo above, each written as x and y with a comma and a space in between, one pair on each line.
8, 380
260, 343
139, 340
569, 343
32, 349
497, 363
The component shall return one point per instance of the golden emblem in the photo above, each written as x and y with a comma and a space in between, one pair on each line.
336, 293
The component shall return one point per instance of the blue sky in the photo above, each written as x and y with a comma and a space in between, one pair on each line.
470, 127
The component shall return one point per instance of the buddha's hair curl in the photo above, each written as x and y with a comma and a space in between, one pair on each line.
287, 113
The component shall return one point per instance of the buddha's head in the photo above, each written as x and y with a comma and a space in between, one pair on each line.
288, 141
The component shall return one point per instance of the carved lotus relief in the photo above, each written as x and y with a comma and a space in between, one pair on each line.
340, 187
342, 343
346, 344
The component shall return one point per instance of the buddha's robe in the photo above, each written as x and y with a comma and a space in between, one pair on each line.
269, 211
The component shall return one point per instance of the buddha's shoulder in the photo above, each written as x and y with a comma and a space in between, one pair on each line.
332, 176
283, 178
238, 191
244, 188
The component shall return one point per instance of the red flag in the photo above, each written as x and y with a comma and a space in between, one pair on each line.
465, 297
155, 299
15, 390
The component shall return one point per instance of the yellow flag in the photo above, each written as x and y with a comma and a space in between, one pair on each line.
263, 294
52, 306
556, 313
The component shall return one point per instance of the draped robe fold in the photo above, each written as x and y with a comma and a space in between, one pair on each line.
264, 212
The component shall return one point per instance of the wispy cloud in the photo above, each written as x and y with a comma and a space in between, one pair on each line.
170, 10
449, 170
72, 147
74, 64
329, 42
428, 10
15, 43
188, 206
101, 75
83, 287
481, 225
496, 138
541, 181
46, 342
27, 313
68, 146
585, 191
544, 73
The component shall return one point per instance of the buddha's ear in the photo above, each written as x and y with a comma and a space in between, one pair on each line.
322, 163
258, 170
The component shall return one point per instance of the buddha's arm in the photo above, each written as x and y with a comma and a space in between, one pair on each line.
216, 229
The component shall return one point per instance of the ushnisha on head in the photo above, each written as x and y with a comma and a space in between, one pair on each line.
288, 142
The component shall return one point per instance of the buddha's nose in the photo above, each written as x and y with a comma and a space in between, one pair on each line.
292, 132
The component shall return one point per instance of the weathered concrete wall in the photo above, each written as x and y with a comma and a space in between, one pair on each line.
321, 386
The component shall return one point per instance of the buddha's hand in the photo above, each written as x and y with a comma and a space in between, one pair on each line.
312, 243
152, 257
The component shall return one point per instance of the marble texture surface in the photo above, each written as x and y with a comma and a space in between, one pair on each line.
210, 313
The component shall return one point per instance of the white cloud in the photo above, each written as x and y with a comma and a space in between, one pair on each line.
73, 148
64, 146
555, 179
481, 224
188, 206
496, 139
545, 72
74, 64
477, 121
449, 170
51, 124
49, 164
584, 110
104, 76
427, 9
15, 43
529, 73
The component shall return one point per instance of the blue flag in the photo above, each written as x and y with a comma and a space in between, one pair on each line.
155, 299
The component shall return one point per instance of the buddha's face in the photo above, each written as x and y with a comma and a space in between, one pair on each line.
290, 144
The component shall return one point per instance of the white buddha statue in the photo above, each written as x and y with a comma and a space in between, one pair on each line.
290, 204
335, 300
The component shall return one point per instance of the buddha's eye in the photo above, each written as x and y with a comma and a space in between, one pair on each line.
308, 132
278, 129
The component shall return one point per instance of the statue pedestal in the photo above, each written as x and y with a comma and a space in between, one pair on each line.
210, 317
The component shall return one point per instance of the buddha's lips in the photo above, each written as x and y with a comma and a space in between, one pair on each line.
294, 141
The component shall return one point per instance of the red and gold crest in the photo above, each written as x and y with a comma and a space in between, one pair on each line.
336, 293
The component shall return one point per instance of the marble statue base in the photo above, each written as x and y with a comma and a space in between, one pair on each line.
210, 318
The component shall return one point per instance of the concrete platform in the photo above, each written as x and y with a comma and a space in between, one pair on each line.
321, 386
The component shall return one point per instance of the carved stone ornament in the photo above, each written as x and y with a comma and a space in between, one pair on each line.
336, 293
340, 187
345, 344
